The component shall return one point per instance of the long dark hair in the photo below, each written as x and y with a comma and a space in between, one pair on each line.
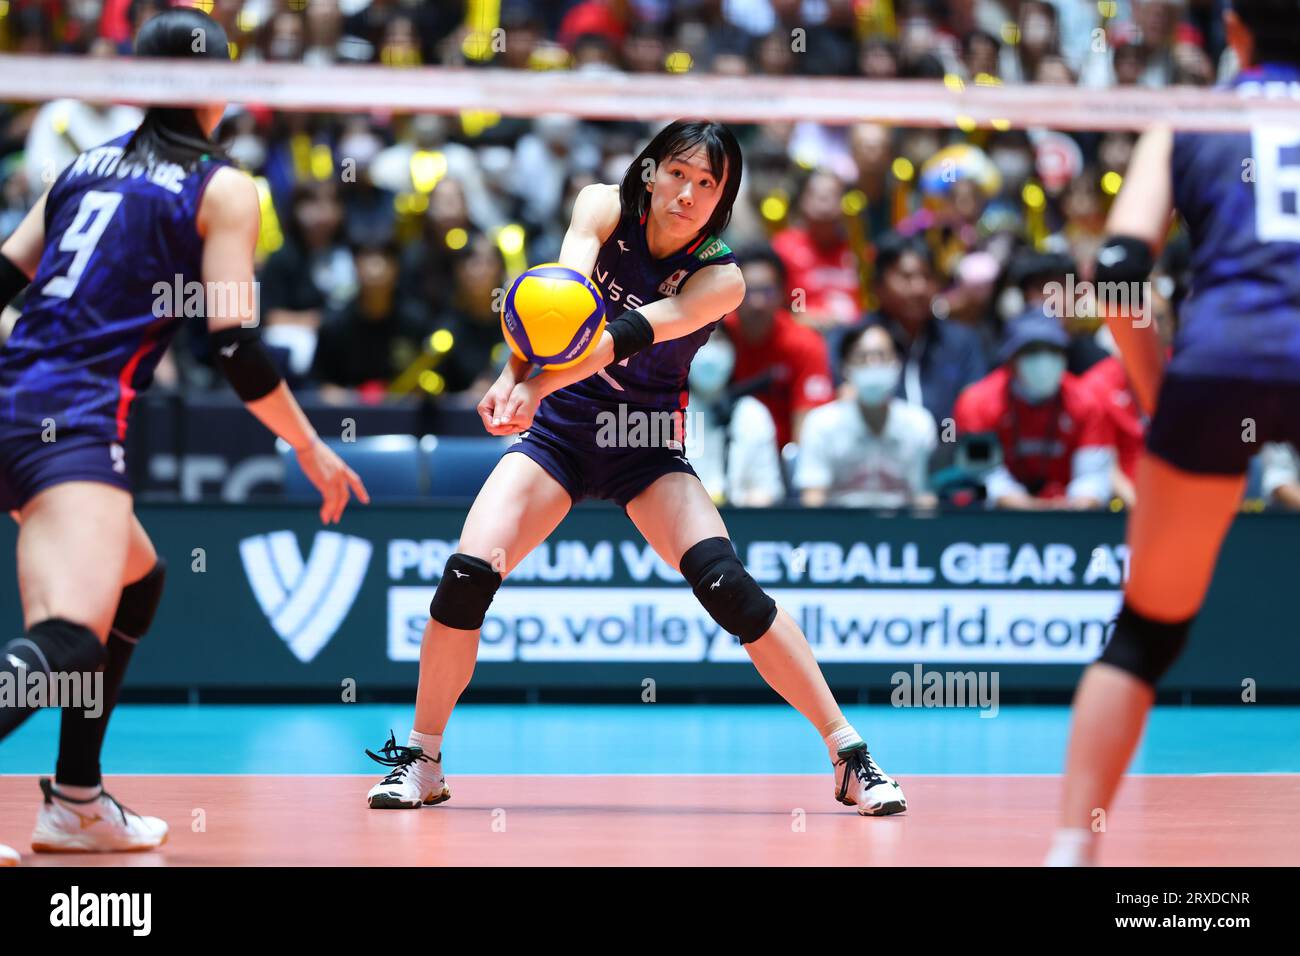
677, 139
170, 133
1274, 26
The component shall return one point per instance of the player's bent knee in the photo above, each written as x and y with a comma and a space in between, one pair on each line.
139, 602
56, 646
725, 588
1143, 647
465, 592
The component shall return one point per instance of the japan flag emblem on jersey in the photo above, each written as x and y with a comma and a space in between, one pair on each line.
669, 285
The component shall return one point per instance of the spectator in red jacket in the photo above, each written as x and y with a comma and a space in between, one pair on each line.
822, 271
1056, 438
782, 363
1110, 386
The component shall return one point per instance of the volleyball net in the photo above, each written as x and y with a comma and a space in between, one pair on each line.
441, 184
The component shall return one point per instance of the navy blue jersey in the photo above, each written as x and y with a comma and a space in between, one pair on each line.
96, 320
655, 378
1239, 194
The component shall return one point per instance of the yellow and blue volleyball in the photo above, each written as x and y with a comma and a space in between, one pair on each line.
553, 316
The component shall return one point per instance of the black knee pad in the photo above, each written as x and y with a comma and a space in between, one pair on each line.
466, 590
57, 646
139, 603
726, 590
1143, 647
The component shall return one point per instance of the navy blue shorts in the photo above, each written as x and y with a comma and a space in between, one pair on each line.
614, 474
29, 466
1213, 426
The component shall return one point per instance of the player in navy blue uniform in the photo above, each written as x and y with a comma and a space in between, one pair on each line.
1233, 381
150, 211
651, 244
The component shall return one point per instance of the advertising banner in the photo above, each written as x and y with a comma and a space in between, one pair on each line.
264, 597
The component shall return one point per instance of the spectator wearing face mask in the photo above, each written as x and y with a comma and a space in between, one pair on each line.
780, 362
867, 448
940, 357
731, 442
1056, 438
1047, 279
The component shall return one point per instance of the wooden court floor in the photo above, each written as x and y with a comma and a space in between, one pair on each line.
231, 820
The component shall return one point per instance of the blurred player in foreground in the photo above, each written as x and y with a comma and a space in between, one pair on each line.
1236, 360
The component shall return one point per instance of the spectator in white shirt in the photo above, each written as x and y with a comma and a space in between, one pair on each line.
867, 448
731, 443
64, 128
1280, 475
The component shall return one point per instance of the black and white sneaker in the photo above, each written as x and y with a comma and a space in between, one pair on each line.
859, 782
416, 779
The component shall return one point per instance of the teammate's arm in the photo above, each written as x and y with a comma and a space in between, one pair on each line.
228, 222
21, 253
20, 257
1136, 230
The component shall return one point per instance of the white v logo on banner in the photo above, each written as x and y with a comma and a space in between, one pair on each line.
305, 603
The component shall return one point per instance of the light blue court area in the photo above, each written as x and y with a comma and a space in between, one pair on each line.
651, 738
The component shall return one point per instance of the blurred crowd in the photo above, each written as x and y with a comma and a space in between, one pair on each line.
896, 346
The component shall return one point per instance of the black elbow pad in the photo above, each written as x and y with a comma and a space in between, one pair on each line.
244, 362
631, 333
12, 280
1123, 259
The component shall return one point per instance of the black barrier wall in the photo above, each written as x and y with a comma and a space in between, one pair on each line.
264, 598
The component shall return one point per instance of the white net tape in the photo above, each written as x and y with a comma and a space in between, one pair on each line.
625, 96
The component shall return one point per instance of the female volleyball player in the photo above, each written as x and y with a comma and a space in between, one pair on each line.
1236, 360
153, 206
651, 245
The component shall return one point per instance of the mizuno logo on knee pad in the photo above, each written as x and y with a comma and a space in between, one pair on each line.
734, 599
466, 609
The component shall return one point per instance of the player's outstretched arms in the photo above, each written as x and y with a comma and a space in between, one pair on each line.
491, 409
707, 296
228, 222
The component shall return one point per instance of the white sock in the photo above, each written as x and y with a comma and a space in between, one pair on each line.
837, 741
1071, 846
431, 744
78, 793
